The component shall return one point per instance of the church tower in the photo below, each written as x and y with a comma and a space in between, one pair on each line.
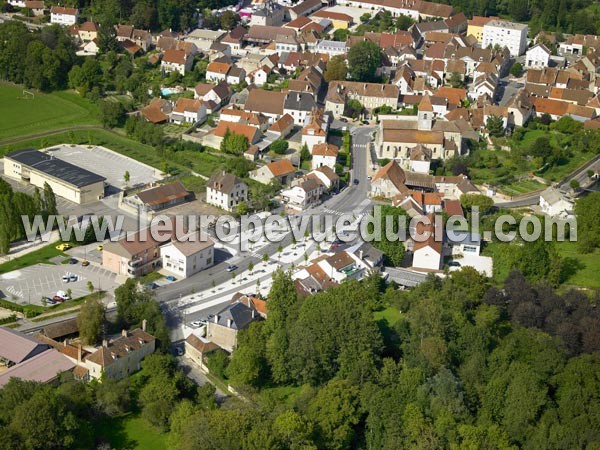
425, 114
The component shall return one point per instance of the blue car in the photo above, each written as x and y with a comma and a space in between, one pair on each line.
171, 278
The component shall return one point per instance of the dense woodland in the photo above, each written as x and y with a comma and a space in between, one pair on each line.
463, 365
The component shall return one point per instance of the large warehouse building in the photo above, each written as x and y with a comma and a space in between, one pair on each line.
66, 180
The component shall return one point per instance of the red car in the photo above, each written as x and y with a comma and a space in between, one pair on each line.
57, 299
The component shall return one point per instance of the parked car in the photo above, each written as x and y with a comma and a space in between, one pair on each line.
57, 299
85, 263
365, 122
64, 246
73, 261
171, 278
231, 267
100, 248
65, 278
196, 323
72, 277
454, 264
179, 351
152, 285
62, 295
356, 181
48, 300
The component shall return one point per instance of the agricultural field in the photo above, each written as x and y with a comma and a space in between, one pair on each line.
31, 113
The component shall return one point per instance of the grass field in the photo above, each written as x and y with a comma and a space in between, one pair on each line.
390, 314
43, 112
521, 187
588, 265
130, 432
43, 255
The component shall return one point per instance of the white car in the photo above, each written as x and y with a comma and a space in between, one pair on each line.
63, 295
196, 324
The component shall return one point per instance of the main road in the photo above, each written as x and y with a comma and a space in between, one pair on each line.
351, 200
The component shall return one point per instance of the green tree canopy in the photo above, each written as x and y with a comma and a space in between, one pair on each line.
364, 59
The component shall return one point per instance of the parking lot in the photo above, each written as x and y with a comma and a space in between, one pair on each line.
107, 163
30, 284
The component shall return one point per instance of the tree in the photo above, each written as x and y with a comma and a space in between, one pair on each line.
517, 69
126, 177
280, 146
364, 59
242, 208
85, 77
305, 153
112, 114
49, 200
341, 35
265, 258
113, 397
587, 210
574, 184
335, 410
250, 267
234, 143
90, 320
483, 202
229, 20
90, 287
107, 39
495, 126
456, 80
248, 366
354, 108
336, 69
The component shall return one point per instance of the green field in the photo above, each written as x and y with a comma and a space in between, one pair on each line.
586, 267
130, 432
44, 112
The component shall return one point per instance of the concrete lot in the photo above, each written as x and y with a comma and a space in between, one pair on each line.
28, 285
107, 163
355, 13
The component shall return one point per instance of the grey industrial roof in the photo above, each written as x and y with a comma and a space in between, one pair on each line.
17, 347
55, 167
41, 368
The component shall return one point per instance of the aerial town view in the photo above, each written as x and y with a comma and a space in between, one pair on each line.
300, 224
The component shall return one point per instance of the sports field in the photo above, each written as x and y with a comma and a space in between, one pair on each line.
23, 114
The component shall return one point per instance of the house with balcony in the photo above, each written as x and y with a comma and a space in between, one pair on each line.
137, 253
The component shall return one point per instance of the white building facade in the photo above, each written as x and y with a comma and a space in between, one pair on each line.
503, 33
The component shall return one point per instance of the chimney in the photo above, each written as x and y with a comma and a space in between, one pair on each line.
79, 354
104, 343
124, 333
228, 323
360, 254
144, 324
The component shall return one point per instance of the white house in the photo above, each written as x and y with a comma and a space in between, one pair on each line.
324, 155
556, 204
427, 254
504, 33
315, 132
189, 255
188, 110
303, 194
217, 71
226, 191
537, 56
64, 16
176, 61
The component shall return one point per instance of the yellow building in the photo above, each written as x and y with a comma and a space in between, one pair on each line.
66, 180
338, 20
475, 26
